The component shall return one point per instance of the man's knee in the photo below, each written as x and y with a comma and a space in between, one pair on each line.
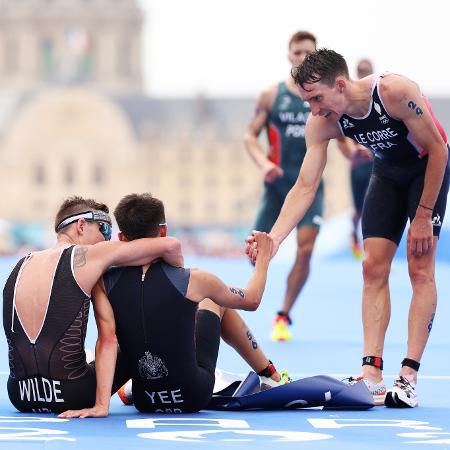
305, 244
375, 269
420, 274
304, 252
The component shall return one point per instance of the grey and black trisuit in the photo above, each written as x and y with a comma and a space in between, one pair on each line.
399, 168
169, 347
50, 373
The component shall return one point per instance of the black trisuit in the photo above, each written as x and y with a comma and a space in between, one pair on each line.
397, 180
50, 374
169, 347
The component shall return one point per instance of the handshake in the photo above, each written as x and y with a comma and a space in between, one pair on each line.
260, 245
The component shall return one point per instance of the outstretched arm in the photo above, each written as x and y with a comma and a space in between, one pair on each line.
301, 196
206, 285
105, 356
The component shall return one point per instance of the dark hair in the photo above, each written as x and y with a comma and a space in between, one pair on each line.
302, 36
139, 216
75, 205
322, 65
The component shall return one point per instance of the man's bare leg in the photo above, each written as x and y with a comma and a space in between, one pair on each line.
237, 334
306, 237
376, 304
423, 305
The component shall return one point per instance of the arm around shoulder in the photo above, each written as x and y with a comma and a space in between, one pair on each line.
139, 252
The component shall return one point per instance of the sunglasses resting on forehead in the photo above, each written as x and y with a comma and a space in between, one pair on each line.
100, 217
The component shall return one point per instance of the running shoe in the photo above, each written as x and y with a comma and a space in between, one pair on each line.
403, 394
280, 331
125, 393
269, 382
357, 249
378, 390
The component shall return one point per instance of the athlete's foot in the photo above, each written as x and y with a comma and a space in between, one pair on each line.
357, 249
376, 388
280, 330
403, 394
125, 393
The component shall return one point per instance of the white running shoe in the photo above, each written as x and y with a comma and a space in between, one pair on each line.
403, 394
378, 390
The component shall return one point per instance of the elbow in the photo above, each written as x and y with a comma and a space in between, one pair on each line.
107, 340
253, 303
249, 139
173, 246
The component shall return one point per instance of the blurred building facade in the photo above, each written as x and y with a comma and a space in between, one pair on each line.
74, 119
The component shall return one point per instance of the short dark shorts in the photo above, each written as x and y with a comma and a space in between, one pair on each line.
270, 206
360, 176
196, 382
393, 196
41, 394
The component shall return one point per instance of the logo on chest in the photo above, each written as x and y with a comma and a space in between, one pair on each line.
346, 123
383, 118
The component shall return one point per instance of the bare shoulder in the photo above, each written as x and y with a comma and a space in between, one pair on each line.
80, 255
199, 275
102, 251
319, 129
267, 97
394, 87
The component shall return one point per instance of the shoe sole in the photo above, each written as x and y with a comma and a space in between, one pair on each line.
379, 399
392, 400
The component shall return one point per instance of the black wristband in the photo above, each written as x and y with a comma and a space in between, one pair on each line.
268, 371
375, 361
411, 363
425, 207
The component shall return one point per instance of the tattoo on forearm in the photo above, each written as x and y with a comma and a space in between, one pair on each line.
414, 107
239, 292
79, 257
252, 340
430, 324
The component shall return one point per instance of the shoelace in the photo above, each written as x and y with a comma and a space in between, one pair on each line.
403, 383
351, 379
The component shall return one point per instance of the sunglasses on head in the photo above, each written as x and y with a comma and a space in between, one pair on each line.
100, 217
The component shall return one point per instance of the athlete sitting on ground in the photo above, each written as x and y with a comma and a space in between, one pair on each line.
169, 322
46, 306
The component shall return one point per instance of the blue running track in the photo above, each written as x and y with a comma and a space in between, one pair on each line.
327, 340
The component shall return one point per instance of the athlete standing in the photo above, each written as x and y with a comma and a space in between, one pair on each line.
389, 115
283, 114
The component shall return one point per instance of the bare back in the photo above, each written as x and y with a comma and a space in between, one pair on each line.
33, 289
